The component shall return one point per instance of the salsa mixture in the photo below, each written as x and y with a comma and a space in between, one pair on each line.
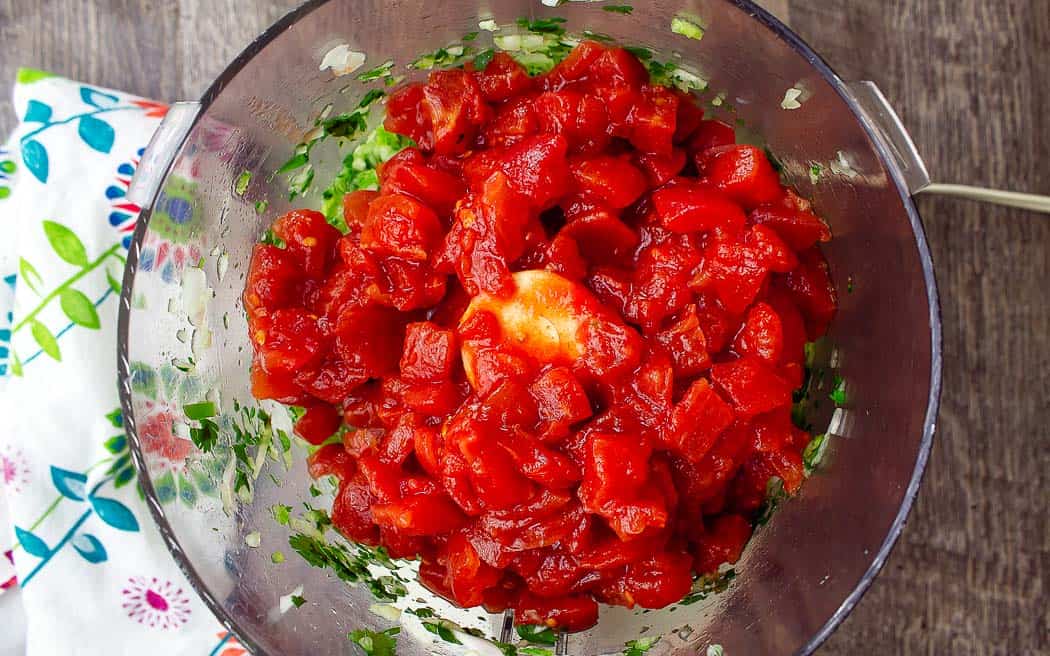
564, 335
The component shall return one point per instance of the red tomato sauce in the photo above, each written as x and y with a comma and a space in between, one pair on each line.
566, 332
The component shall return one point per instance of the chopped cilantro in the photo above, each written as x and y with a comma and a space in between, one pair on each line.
640, 646
298, 160
481, 62
814, 452
443, 630
359, 171
298, 601
260, 206
535, 651
350, 564
370, 97
282, 514
838, 392
551, 25
619, 9
314, 492
300, 182
640, 52
470, 36
198, 411
708, 585
376, 643
815, 171
536, 633
775, 493
421, 613
206, 436
375, 73
240, 185
686, 28
598, 36
348, 125
446, 56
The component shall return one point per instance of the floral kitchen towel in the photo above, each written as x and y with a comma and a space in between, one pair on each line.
93, 572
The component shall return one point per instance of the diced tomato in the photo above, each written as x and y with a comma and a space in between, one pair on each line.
752, 385
697, 421
798, 229
619, 66
453, 102
652, 122
601, 237
574, 613
723, 543
309, 240
762, 334
422, 515
811, 288
612, 181
710, 134
691, 208
743, 172
429, 353
355, 209
407, 173
405, 115
578, 117
503, 78
319, 423
576, 66
273, 281
660, 169
330, 460
690, 116
561, 400
687, 344
402, 226
514, 120
656, 582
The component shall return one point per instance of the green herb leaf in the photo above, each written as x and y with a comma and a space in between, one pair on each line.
346, 126
240, 185
640, 646
814, 452
370, 97
377, 72
707, 585
282, 514
815, 171
350, 564
470, 36
686, 28
481, 62
300, 182
775, 494
271, 238
277, 557
619, 9
552, 25
838, 392
78, 308
376, 643
543, 635
297, 160
297, 601
443, 631
198, 411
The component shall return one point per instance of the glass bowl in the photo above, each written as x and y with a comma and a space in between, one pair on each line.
208, 189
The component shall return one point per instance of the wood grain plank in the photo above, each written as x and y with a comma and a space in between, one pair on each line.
123, 44
968, 77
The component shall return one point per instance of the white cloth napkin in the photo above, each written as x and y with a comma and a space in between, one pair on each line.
93, 573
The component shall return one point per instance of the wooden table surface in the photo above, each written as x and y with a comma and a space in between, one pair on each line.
971, 79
